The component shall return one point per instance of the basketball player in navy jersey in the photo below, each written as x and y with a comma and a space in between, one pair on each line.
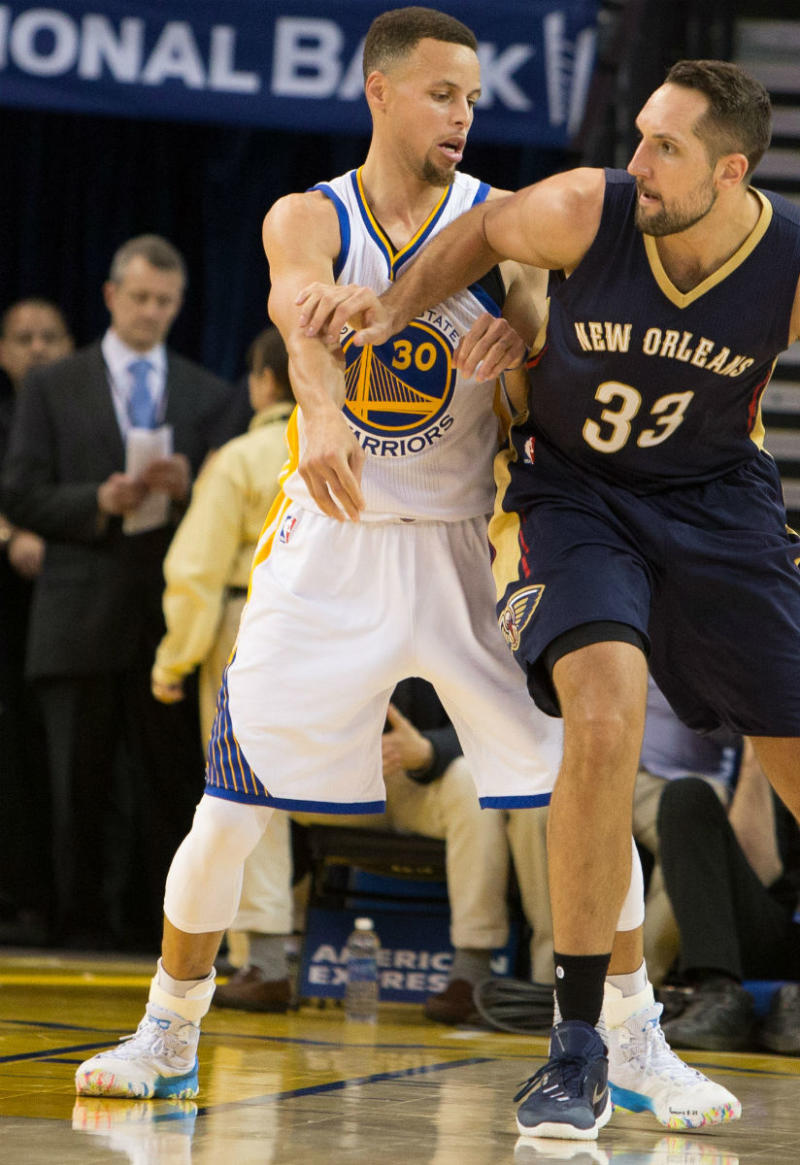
638, 516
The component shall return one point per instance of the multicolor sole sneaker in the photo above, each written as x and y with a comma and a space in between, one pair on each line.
158, 1060
645, 1075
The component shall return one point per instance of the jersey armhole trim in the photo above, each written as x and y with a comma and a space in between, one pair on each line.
344, 225
485, 300
482, 193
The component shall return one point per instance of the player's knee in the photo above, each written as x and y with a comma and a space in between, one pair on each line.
226, 831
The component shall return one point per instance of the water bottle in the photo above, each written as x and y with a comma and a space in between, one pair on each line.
361, 992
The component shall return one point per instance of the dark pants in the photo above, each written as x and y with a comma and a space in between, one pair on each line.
25, 876
728, 921
125, 773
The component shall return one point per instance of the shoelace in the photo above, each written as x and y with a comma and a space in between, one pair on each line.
651, 1051
566, 1074
151, 1040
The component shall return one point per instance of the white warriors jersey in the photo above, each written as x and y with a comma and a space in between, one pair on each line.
429, 434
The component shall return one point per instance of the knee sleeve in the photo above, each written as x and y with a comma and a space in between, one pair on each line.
631, 915
205, 879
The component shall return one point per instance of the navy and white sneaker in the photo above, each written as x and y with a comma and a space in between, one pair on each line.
569, 1097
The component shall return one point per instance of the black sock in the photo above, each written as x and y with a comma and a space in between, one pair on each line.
579, 985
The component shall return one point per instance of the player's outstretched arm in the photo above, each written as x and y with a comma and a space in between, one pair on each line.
325, 311
301, 241
550, 225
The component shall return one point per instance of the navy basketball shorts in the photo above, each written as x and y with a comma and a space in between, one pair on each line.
707, 574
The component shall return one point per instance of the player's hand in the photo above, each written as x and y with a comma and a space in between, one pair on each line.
403, 747
167, 693
120, 493
26, 553
489, 348
325, 309
172, 474
331, 464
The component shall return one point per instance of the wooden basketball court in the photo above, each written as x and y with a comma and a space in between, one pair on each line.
311, 1088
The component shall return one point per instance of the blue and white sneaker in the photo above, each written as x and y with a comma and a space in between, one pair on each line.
568, 1098
645, 1075
158, 1060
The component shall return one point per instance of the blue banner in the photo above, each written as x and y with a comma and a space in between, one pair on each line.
413, 962
284, 64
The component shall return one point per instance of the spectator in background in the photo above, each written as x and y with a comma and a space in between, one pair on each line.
734, 883
96, 613
33, 332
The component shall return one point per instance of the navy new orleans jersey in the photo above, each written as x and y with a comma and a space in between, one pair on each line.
637, 494
649, 386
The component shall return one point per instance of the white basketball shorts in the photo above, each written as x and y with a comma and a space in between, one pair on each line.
337, 615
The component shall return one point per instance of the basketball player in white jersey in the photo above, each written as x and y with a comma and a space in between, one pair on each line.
346, 598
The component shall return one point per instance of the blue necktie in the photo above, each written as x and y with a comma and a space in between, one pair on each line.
141, 407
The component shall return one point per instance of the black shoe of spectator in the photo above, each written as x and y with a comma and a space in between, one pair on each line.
719, 1019
674, 998
780, 1028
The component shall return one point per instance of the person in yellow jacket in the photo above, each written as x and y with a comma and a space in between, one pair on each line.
208, 562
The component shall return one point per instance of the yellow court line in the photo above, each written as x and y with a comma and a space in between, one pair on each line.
74, 979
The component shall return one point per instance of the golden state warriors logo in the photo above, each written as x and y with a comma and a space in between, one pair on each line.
399, 391
517, 613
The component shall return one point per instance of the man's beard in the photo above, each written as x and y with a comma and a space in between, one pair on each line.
672, 222
436, 177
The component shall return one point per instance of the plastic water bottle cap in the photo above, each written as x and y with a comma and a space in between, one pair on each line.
364, 924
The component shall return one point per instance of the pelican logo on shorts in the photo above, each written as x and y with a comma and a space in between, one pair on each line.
517, 613
287, 528
398, 393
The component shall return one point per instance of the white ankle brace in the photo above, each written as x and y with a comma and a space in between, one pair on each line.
193, 1005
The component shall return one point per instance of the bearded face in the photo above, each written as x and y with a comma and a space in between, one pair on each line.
659, 216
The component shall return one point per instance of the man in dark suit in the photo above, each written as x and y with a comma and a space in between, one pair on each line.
33, 332
118, 760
